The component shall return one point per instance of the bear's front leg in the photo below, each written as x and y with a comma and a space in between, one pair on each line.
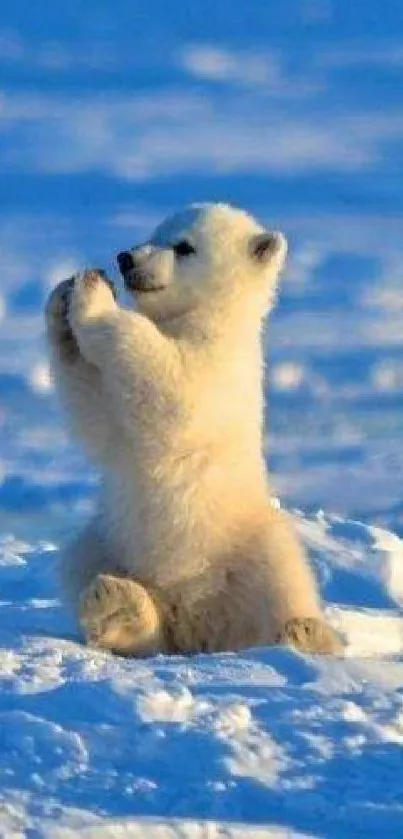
92, 304
127, 348
77, 381
119, 615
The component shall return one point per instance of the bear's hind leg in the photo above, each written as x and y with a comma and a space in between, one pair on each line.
118, 614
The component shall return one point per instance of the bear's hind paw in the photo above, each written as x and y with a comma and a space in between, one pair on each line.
118, 614
310, 635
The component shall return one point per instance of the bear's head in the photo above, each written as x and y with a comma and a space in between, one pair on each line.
205, 256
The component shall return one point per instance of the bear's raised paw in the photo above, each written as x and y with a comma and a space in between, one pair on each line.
57, 311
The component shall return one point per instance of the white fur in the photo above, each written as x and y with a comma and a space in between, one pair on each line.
169, 401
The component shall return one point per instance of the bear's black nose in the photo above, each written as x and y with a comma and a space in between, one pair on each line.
125, 261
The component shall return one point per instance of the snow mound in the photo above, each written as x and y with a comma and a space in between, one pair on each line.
267, 743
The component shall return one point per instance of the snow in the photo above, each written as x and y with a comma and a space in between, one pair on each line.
40, 377
215, 745
111, 122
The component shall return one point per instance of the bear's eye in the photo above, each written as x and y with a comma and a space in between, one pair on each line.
183, 248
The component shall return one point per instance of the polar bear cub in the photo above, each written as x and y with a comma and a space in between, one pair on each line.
186, 552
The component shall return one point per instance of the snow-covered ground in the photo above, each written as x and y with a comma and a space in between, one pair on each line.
109, 119
262, 743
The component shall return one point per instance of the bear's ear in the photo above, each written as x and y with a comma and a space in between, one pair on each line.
264, 246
